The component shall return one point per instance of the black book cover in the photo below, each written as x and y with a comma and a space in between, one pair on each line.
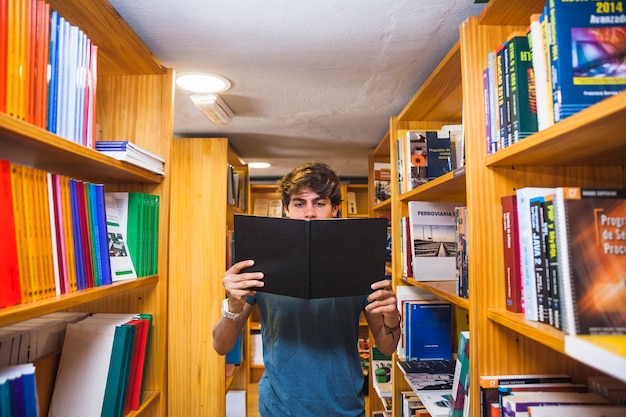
313, 258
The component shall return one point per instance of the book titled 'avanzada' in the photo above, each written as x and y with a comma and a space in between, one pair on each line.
313, 258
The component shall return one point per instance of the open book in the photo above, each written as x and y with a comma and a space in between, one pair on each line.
313, 258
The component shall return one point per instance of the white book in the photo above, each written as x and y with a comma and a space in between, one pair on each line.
122, 266
433, 246
83, 370
275, 208
261, 207
540, 71
524, 195
576, 411
517, 405
437, 402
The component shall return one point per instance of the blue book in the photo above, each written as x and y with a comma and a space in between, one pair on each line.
439, 150
117, 379
587, 54
78, 241
105, 260
428, 331
54, 72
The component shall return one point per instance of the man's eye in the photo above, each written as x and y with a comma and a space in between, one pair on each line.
321, 204
299, 205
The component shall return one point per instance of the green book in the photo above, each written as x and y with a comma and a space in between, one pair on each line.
117, 378
522, 87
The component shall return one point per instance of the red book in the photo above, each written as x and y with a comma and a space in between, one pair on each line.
4, 47
134, 377
512, 262
9, 267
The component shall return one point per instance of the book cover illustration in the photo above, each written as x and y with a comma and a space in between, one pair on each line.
433, 240
588, 53
417, 158
382, 182
313, 258
591, 250
121, 261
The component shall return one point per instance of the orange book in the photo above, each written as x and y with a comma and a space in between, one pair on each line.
20, 205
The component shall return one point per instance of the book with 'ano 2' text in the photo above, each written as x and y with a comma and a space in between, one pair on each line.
313, 258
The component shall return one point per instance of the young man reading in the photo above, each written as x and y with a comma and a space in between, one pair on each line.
312, 365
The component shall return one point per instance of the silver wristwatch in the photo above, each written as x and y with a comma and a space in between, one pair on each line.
226, 312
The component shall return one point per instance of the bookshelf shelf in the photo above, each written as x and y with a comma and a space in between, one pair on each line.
539, 332
606, 353
446, 290
593, 136
448, 186
26, 144
150, 399
21, 312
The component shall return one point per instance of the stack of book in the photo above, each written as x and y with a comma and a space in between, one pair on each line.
568, 58
102, 365
129, 152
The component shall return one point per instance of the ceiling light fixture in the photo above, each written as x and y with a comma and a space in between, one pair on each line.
259, 165
203, 83
213, 107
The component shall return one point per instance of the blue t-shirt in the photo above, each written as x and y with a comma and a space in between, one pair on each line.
311, 358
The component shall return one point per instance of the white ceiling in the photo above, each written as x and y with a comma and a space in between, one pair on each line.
312, 79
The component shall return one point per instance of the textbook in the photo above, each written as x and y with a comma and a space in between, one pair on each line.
589, 226
313, 258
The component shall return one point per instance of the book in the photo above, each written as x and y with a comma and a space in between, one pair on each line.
538, 48
404, 294
587, 53
462, 271
517, 404
523, 196
540, 259
512, 263
313, 258
439, 154
554, 295
592, 266
461, 381
433, 234
275, 208
261, 207
416, 160
489, 386
456, 134
511, 389
576, 411
428, 330
11, 293
437, 402
522, 87
121, 261
606, 352
133, 154
382, 182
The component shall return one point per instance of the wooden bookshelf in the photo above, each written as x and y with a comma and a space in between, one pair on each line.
200, 217
568, 153
134, 102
